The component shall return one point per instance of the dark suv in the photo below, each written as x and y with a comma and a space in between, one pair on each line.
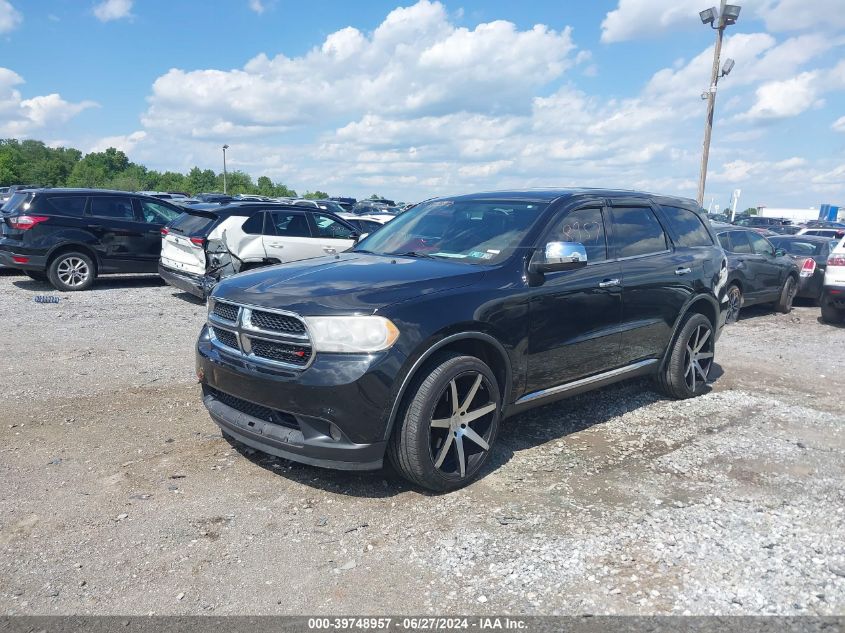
458, 313
70, 236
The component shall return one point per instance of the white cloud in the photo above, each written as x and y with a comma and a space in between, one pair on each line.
839, 124
109, 10
10, 18
257, 6
416, 63
126, 142
641, 18
20, 117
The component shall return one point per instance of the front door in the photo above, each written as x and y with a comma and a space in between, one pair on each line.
574, 315
769, 269
334, 236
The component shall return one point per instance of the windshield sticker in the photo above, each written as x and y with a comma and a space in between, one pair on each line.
493, 251
480, 255
442, 254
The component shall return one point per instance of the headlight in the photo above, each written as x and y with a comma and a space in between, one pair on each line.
361, 334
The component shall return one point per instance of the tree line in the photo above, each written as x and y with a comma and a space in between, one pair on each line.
32, 162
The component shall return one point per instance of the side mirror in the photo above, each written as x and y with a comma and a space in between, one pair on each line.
558, 256
780, 252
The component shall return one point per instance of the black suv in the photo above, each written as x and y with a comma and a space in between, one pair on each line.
458, 313
70, 236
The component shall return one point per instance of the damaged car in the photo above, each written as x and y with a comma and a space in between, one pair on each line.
203, 246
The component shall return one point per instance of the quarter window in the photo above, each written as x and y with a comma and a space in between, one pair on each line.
291, 224
254, 225
688, 226
112, 207
636, 231
586, 227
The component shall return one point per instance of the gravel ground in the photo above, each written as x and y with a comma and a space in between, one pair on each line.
119, 495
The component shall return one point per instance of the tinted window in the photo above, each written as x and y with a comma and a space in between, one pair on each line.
636, 231
330, 228
586, 227
739, 242
804, 248
18, 202
194, 223
112, 207
291, 224
368, 226
254, 225
69, 205
157, 213
760, 245
689, 227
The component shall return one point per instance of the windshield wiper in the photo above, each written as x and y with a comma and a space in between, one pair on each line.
412, 254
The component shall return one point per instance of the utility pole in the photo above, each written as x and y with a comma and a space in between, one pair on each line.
225, 147
726, 16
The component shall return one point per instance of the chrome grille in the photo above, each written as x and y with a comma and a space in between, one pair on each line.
269, 337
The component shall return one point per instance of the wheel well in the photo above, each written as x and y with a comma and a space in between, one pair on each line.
735, 282
71, 248
487, 353
705, 307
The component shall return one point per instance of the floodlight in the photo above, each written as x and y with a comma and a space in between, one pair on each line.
731, 13
727, 67
708, 16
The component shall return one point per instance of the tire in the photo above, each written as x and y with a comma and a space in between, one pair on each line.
72, 271
35, 275
734, 295
787, 296
832, 314
433, 445
679, 378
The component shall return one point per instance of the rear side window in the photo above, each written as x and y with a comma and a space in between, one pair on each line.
291, 224
69, 205
194, 224
689, 227
115, 207
636, 231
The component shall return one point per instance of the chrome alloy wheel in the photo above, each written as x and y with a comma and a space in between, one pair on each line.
699, 356
462, 424
73, 271
734, 305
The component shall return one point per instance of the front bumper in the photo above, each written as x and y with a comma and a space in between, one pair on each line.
197, 285
333, 414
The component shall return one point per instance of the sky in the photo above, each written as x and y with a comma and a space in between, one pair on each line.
421, 99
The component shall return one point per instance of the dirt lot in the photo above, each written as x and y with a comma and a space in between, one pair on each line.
119, 495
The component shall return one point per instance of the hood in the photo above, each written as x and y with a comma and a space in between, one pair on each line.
352, 283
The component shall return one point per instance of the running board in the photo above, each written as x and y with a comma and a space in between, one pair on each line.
592, 381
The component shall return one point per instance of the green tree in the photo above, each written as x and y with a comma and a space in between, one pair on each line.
236, 182
199, 181
750, 211
315, 195
98, 168
265, 186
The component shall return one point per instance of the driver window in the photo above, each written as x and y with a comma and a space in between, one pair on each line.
329, 228
761, 245
584, 226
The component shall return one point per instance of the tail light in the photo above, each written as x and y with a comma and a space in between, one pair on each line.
199, 241
837, 259
25, 222
809, 267
164, 231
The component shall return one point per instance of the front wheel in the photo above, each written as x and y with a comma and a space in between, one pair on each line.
447, 424
787, 295
686, 369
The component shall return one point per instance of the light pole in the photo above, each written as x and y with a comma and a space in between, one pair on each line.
719, 20
225, 147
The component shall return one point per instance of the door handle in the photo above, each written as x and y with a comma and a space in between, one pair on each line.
683, 271
609, 283
276, 245
331, 250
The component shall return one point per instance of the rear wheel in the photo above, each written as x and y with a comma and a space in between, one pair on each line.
72, 271
734, 304
687, 368
448, 423
36, 275
787, 295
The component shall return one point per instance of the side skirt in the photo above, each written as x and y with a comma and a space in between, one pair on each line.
545, 396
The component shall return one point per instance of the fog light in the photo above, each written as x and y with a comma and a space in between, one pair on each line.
335, 432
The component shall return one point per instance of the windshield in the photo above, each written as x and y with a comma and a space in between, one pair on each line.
467, 231
803, 248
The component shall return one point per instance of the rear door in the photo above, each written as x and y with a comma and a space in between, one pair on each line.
289, 238
653, 292
120, 237
334, 235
